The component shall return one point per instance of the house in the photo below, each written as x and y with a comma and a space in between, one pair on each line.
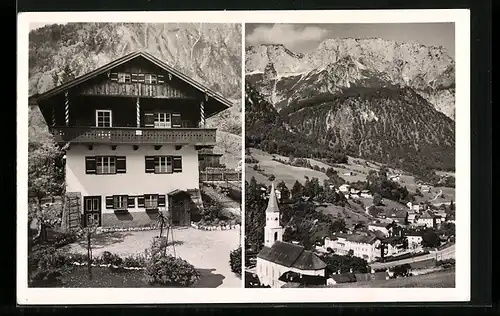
393, 245
132, 130
427, 219
414, 240
413, 207
398, 216
412, 217
207, 158
366, 194
344, 188
354, 191
425, 188
384, 228
363, 245
278, 257
395, 178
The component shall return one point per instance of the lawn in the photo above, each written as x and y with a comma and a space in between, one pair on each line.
282, 172
440, 279
350, 217
77, 277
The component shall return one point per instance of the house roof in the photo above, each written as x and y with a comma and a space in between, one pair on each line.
362, 239
272, 204
396, 213
290, 255
294, 277
427, 215
224, 103
385, 225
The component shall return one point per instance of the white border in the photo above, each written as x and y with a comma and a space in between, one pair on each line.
461, 292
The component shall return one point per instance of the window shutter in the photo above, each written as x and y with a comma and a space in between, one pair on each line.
121, 164
135, 77
109, 202
131, 202
149, 119
140, 78
113, 76
90, 165
161, 200
140, 201
150, 164
160, 79
177, 164
176, 120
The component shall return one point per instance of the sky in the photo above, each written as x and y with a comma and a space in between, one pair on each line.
304, 38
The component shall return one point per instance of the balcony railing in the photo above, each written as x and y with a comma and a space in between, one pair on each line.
132, 135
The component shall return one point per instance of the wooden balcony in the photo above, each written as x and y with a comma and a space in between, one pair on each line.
134, 136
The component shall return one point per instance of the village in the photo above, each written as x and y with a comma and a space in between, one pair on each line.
412, 239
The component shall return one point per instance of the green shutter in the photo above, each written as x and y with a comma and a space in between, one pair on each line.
161, 200
150, 164
149, 119
113, 76
177, 164
121, 164
140, 201
109, 202
176, 120
131, 202
90, 165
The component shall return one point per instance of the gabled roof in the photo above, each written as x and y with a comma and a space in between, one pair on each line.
427, 215
290, 255
127, 58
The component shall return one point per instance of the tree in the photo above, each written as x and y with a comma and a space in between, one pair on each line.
67, 74
377, 199
430, 239
89, 230
285, 193
297, 190
255, 218
235, 260
43, 177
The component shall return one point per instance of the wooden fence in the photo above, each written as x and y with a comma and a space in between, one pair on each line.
72, 217
207, 176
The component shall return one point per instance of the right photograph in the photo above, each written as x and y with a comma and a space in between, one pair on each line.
350, 155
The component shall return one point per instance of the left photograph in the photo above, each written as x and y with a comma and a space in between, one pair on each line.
134, 155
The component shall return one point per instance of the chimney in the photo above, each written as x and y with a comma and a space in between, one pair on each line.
338, 271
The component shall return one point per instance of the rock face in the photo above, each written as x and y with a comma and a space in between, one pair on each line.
210, 53
344, 64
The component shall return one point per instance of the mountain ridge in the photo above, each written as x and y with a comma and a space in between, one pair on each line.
429, 70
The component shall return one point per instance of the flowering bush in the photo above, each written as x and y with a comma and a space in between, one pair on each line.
134, 261
170, 271
235, 260
111, 258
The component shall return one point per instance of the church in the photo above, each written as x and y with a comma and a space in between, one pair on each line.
278, 257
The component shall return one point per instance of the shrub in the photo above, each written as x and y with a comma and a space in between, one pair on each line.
134, 261
170, 271
111, 258
45, 278
235, 260
64, 239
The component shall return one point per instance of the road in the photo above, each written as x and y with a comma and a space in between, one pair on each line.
446, 253
440, 192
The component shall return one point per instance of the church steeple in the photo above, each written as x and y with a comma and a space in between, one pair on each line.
272, 231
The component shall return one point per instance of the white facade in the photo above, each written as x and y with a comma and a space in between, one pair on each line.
344, 188
429, 222
269, 272
135, 181
342, 246
414, 241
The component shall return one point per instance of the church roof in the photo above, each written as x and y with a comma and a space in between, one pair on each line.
290, 255
272, 204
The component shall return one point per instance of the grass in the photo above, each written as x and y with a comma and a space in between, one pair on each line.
77, 277
350, 217
229, 145
288, 174
440, 279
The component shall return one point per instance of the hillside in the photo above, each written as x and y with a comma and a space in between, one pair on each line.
340, 64
209, 53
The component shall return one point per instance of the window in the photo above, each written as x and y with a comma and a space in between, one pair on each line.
106, 164
153, 201
103, 118
163, 164
124, 78
149, 79
120, 202
163, 120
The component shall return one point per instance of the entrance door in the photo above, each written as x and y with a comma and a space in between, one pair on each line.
92, 210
